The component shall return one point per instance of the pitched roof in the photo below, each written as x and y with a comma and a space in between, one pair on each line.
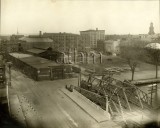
60, 33
41, 46
38, 62
91, 30
34, 61
20, 55
35, 39
35, 50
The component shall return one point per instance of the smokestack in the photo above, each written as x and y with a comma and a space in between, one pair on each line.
96, 29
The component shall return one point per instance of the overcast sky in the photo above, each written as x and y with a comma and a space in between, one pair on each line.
115, 17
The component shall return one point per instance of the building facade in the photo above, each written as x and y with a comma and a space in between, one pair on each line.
39, 68
64, 41
109, 46
90, 37
9, 44
35, 41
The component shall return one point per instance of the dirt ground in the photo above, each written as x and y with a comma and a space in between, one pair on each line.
146, 69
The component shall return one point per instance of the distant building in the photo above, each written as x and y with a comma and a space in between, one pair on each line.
151, 29
45, 53
6, 38
35, 41
14, 38
108, 46
13, 45
128, 38
90, 37
64, 41
148, 38
9, 43
3, 44
114, 37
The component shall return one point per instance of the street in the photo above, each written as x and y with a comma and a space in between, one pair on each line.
44, 106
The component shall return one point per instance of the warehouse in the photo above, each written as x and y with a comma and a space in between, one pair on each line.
39, 68
47, 53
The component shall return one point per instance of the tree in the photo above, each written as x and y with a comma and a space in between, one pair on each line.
131, 54
20, 48
153, 52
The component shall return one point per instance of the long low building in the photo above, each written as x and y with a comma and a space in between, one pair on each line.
39, 68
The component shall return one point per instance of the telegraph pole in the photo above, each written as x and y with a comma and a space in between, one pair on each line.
159, 16
0, 18
158, 114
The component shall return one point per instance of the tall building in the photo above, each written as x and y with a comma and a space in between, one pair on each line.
151, 29
35, 41
108, 46
90, 37
63, 41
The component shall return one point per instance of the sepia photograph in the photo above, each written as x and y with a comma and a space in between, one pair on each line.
79, 63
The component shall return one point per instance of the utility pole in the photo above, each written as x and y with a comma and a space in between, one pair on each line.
9, 68
159, 16
8, 85
0, 18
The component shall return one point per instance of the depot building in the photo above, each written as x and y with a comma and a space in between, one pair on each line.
39, 68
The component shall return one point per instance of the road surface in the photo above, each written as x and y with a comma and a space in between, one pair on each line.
45, 106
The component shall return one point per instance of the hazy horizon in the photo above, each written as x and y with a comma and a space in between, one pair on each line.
115, 17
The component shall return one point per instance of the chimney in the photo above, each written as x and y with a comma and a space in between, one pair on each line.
96, 29
40, 33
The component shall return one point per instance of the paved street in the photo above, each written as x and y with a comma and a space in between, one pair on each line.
44, 106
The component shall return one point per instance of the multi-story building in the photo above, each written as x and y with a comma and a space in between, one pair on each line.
64, 41
35, 41
90, 37
9, 43
108, 46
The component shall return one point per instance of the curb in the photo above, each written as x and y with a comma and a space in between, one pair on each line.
83, 108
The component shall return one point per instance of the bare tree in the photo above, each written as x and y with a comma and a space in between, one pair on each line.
131, 54
153, 52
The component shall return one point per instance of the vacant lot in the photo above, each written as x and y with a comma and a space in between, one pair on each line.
143, 70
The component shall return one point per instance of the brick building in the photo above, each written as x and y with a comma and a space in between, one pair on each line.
39, 68
108, 46
9, 44
30, 42
90, 37
64, 41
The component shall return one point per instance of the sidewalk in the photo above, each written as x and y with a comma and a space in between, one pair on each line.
16, 110
97, 113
